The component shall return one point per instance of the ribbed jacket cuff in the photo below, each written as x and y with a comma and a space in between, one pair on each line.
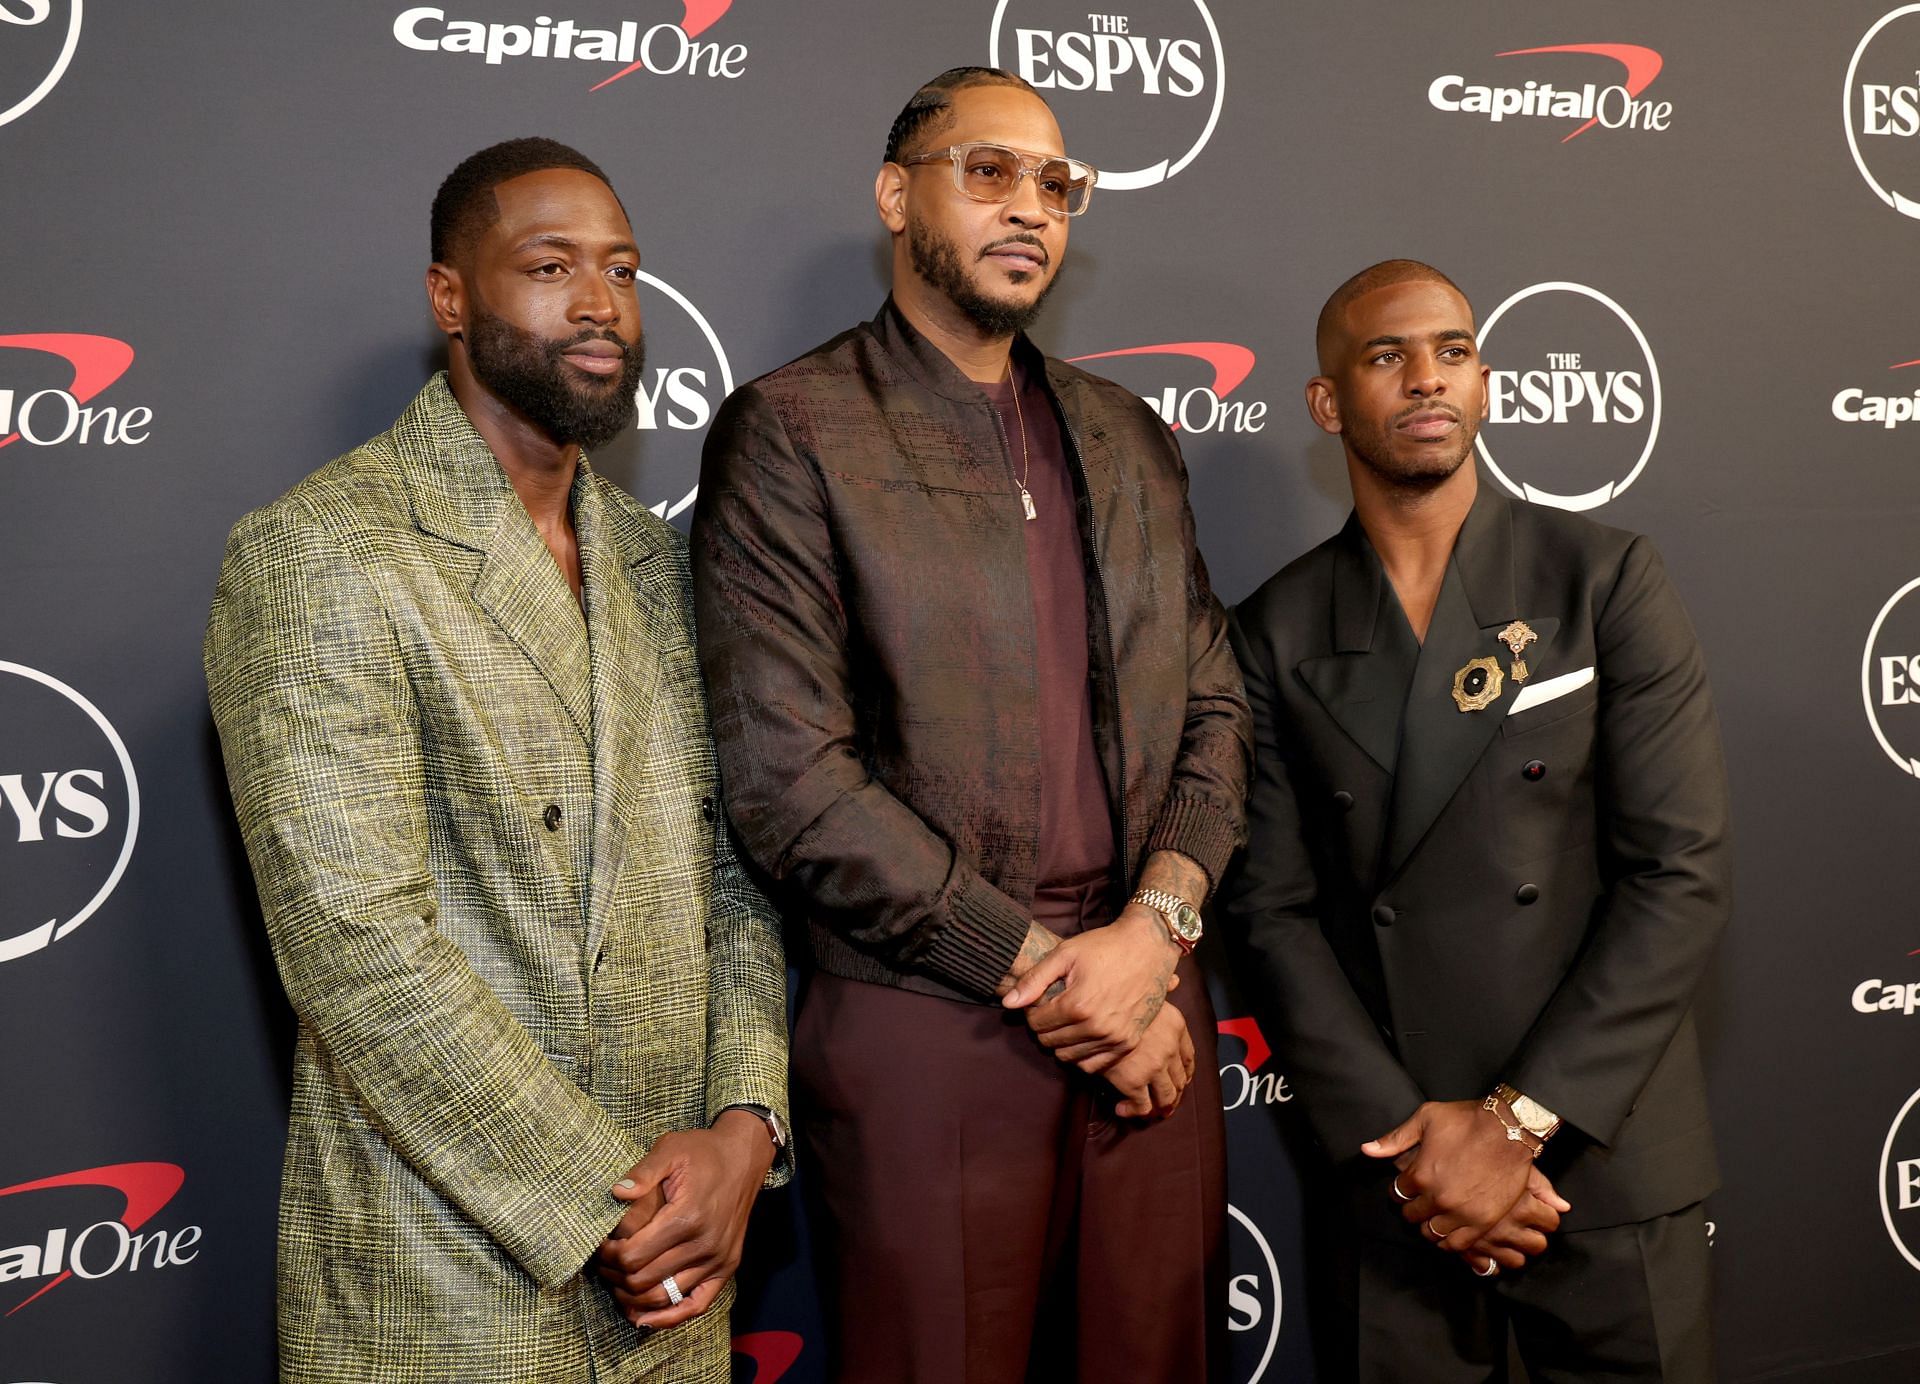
1198, 830
981, 939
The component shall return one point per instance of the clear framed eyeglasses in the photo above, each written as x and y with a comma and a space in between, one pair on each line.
992, 173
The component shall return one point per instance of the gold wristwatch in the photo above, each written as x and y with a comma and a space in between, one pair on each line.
1529, 1117
1182, 918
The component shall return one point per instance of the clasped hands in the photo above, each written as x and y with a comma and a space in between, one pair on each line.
687, 1207
1098, 1000
1471, 1190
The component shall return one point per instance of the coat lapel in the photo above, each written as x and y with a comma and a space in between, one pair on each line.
1363, 683
459, 493
626, 628
1439, 742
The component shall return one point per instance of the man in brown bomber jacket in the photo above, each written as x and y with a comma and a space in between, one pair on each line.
979, 723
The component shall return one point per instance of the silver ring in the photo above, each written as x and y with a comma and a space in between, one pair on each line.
1438, 1235
672, 1290
1491, 1269
1399, 1195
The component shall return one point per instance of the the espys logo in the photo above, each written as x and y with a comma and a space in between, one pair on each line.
1245, 1082
1900, 1182
48, 381
687, 377
63, 1243
1146, 86
37, 39
1879, 996
1890, 678
69, 809
1857, 405
1573, 406
1881, 108
1615, 106
1253, 1290
665, 49
1187, 406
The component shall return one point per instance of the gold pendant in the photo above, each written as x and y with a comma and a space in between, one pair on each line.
1516, 637
1477, 686
1027, 500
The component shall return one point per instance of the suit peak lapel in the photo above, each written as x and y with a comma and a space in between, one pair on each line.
1363, 684
522, 588
1440, 743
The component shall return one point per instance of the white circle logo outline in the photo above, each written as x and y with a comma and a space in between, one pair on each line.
1905, 206
1886, 1154
52, 79
1612, 490
1273, 1272
34, 939
685, 304
1137, 178
1908, 766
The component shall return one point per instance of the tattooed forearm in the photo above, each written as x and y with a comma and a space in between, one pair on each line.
1039, 942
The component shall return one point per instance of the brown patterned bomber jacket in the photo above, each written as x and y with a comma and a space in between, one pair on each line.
866, 631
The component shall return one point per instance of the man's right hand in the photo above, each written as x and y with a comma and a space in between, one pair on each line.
1151, 1077
1522, 1233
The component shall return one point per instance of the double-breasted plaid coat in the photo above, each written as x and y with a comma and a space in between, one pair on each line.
487, 833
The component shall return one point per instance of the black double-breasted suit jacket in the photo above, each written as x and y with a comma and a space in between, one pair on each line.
1434, 900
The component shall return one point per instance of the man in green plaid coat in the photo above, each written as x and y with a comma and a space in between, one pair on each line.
540, 1073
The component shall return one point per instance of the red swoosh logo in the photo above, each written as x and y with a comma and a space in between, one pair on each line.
772, 1353
97, 361
1230, 364
1903, 364
146, 1186
1248, 1032
1642, 64
701, 16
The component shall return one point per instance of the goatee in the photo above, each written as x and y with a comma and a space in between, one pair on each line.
530, 374
937, 260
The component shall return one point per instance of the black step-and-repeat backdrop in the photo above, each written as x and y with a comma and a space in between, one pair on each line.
1692, 234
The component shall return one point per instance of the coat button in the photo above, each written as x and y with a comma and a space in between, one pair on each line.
1526, 893
551, 816
1343, 800
1382, 915
1534, 771
706, 808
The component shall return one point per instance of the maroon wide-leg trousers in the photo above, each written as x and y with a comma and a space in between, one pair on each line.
980, 1216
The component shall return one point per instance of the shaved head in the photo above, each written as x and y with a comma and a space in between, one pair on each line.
1328, 333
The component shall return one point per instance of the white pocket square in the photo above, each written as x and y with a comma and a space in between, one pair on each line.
1546, 691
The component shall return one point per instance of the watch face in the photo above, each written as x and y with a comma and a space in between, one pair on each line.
1187, 919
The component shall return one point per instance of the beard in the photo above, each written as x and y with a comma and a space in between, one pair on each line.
937, 260
527, 373
1419, 469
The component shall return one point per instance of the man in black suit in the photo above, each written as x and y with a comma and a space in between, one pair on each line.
1488, 863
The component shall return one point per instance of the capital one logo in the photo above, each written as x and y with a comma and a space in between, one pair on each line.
1573, 406
1253, 1290
69, 809
1613, 106
665, 49
1248, 1082
1890, 678
48, 384
63, 1245
1144, 84
1885, 410
1900, 1182
37, 39
687, 377
1882, 108
1187, 406
1879, 996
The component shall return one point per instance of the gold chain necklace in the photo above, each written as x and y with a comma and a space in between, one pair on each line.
1026, 462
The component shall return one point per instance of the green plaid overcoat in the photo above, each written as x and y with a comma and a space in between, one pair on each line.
497, 878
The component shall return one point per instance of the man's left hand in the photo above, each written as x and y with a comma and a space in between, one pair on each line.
1116, 978
1462, 1171
708, 1179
